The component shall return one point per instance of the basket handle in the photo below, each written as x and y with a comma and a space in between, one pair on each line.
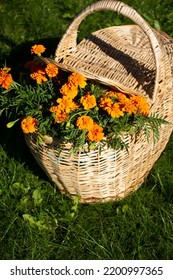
68, 43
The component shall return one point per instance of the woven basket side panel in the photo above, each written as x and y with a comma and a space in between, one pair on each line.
111, 175
167, 42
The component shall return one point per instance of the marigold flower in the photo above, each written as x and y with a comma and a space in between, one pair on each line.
29, 124
88, 101
53, 109
115, 111
66, 104
105, 102
59, 114
51, 70
38, 72
5, 78
77, 80
111, 94
127, 106
95, 133
37, 49
122, 97
141, 104
85, 122
38, 77
69, 89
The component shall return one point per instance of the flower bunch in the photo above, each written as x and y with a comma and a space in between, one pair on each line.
5, 78
68, 106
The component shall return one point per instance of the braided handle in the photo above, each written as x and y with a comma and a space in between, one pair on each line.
68, 42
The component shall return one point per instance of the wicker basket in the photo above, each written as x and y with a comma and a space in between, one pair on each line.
135, 59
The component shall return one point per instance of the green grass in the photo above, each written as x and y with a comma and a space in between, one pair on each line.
36, 221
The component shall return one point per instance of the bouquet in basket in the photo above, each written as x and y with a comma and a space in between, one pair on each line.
49, 101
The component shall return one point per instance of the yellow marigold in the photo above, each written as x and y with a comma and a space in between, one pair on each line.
141, 104
51, 70
37, 49
88, 101
29, 125
69, 89
5, 78
115, 110
38, 77
95, 133
66, 104
85, 122
77, 80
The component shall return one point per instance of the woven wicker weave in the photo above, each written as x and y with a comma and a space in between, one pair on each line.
136, 59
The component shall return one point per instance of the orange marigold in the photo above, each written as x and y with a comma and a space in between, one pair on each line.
127, 106
59, 114
66, 104
95, 133
37, 49
29, 125
111, 108
69, 89
38, 77
85, 122
141, 104
115, 110
122, 97
54, 109
77, 80
51, 70
88, 101
105, 102
5, 78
